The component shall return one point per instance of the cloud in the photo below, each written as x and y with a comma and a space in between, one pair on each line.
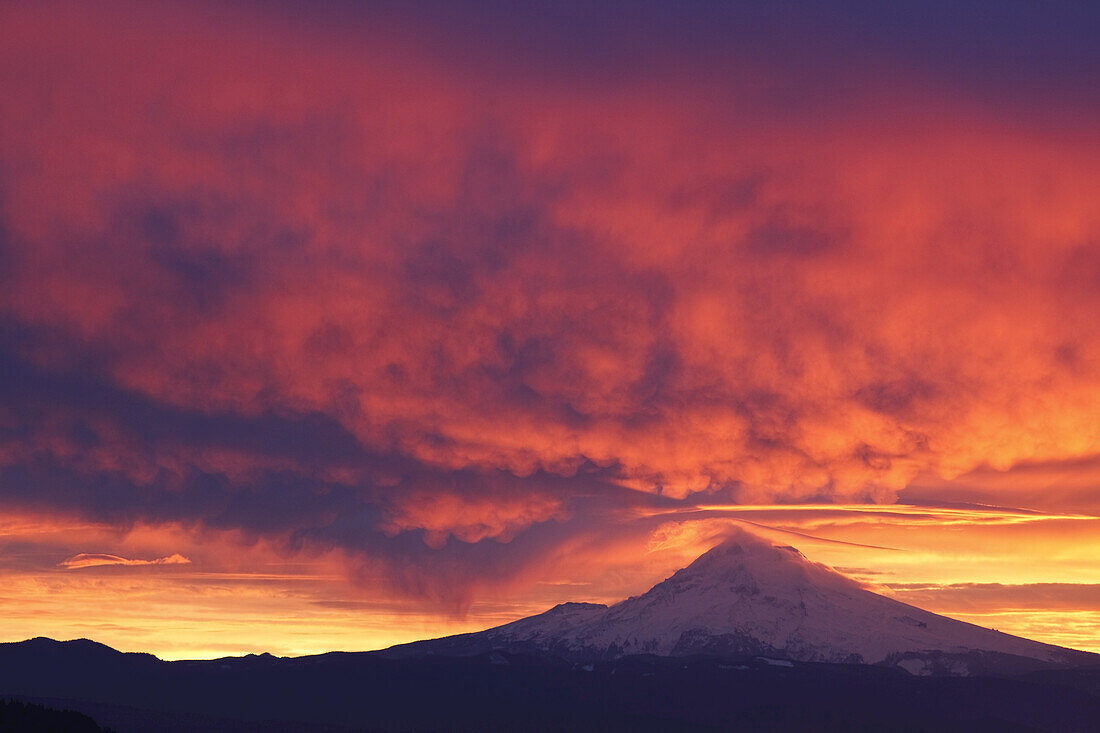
988, 597
1070, 484
1058, 613
442, 515
96, 559
355, 291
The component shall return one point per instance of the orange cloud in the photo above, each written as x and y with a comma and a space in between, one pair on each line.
442, 515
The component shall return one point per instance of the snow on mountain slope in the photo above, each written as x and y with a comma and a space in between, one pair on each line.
747, 597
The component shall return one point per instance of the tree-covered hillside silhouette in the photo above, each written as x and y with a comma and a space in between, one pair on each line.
23, 717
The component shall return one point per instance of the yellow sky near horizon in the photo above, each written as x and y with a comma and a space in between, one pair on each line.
1027, 573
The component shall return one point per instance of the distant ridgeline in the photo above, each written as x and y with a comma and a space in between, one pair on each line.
503, 691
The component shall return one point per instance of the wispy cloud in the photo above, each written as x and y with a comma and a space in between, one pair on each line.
97, 559
900, 513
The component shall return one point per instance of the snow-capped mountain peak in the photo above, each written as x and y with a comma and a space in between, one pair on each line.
749, 597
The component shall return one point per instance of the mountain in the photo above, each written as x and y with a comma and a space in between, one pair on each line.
750, 636
748, 597
343, 692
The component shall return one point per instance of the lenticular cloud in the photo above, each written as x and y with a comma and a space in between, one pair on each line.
96, 559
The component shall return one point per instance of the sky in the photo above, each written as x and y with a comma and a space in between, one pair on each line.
334, 325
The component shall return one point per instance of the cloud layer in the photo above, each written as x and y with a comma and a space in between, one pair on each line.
342, 280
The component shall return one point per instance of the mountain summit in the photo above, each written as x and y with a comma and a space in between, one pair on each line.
747, 597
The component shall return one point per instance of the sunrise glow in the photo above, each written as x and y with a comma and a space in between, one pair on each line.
333, 330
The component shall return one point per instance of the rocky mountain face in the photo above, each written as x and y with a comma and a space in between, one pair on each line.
747, 597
